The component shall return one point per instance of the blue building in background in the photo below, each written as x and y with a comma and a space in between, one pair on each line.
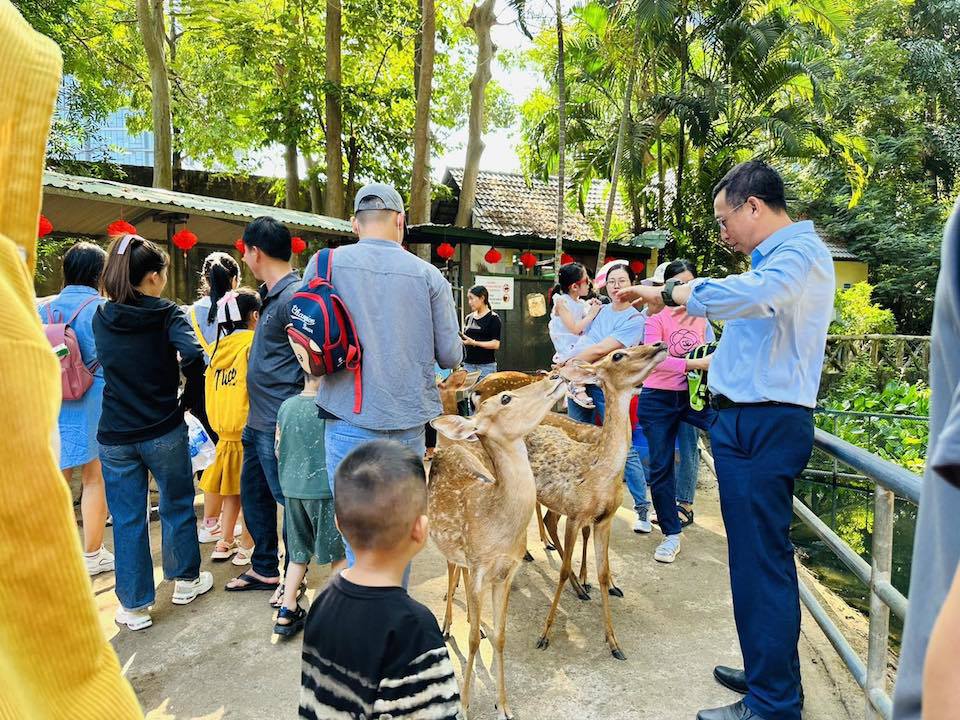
113, 141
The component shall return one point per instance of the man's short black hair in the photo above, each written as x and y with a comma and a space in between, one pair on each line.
380, 489
753, 178
83, 265
270, 235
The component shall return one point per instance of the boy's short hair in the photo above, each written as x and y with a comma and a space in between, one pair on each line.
380, 489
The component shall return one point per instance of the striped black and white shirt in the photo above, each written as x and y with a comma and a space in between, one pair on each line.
375, 653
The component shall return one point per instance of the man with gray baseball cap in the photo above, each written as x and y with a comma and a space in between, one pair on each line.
406, 321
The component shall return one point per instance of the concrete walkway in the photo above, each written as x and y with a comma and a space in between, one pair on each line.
216, 658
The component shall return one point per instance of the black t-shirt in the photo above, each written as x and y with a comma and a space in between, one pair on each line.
374, 652
482, 329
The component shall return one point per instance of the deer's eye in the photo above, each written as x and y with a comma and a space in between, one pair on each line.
504, 399
617, 357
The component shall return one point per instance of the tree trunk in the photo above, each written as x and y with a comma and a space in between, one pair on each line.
621, 137
561, 136
353, 160
480, 21
420, 180
334, 118
313, 184
681, 126
292, 190
150, 20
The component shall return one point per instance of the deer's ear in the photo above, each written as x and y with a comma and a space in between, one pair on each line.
471, 380
455, 427
580, 372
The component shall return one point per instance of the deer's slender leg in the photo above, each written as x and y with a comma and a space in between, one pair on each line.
543, 533
473, 583
453, 578
501, 597
570, 532
583, 559
550, 520
601, 544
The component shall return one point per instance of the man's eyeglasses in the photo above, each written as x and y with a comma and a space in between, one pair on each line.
722, 221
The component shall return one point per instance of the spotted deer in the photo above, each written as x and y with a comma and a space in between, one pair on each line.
583, 481
481, 495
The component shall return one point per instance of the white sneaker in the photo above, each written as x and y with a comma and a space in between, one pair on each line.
668, 550
98, 562
642, 525
133, 619
209, 534
186, 591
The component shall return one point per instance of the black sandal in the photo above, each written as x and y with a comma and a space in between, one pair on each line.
300, 593
686, 516
297, 619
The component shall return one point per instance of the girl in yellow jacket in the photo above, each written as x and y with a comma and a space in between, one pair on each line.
227, 407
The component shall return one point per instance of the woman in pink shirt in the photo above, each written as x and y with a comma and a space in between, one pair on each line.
665, 402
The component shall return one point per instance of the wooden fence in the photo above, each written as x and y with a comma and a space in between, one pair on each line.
905, 357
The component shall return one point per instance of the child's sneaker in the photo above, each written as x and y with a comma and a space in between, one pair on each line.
98, 562
186, 591
209, 533
133, 619
668, 550
642, 525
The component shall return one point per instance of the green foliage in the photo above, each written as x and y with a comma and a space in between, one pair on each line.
858, 315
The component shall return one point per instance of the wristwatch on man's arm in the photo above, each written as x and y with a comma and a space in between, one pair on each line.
667, 292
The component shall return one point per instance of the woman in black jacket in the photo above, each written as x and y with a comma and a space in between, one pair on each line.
139, 335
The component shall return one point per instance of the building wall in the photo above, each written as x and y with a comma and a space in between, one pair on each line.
849, 273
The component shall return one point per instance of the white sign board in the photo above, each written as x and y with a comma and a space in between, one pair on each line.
500, 289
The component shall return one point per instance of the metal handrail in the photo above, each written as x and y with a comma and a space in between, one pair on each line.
890, 480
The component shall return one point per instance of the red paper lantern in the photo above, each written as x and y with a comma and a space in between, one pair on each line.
493, 256
445, 250
45, 227
238, 244
120, 227
608, 259
184, 240
298, 244
637, 266
528, 259
566, 259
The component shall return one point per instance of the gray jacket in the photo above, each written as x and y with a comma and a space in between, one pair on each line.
406, 321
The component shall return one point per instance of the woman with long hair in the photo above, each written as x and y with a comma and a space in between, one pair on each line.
481, 334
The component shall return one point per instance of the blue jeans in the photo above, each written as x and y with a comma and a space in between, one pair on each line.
689, 465
758, 452
661, 413
633, 473
341, 437
125, 478
484, 369
260, 493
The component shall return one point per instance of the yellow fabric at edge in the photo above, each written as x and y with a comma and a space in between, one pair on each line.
54, 659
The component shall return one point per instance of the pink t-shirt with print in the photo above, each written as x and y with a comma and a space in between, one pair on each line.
682, 333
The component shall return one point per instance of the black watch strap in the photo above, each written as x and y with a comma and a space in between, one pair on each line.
667, 292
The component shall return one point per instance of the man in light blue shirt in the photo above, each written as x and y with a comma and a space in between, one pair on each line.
764, 379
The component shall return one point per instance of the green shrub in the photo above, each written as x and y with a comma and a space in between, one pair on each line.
857, 315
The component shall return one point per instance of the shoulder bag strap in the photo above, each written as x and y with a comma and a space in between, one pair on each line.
198, 332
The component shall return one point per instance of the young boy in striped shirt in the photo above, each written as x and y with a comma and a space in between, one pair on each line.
369, 649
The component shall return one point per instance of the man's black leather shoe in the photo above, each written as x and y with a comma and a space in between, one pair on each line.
731, 678
737, 711
736, 680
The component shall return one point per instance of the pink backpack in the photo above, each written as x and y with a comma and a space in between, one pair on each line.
75, 377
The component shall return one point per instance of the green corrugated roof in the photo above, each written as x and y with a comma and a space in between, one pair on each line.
77, 186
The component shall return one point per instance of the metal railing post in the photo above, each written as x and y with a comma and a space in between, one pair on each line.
882, 561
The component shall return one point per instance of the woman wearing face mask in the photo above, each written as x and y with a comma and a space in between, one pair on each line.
665, 404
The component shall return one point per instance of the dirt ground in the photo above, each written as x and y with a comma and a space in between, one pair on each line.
216, 658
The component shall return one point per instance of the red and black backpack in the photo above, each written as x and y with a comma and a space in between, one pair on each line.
321, 325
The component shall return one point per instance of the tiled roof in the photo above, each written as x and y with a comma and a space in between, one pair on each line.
507, 204
839, 251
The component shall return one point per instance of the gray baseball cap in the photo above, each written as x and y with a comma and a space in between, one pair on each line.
389, 198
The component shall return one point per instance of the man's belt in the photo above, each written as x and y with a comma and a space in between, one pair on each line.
721, 402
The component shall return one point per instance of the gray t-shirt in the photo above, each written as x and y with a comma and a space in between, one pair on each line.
274, 373
936, 549
406, 321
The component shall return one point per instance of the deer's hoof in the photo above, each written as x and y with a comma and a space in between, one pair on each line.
615, 591
543, 642
549, 547
483, 635
527, 556
503, 714
446, 636
618, 654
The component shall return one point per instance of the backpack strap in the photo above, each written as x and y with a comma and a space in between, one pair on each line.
198, 332
325, 259
79, 309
